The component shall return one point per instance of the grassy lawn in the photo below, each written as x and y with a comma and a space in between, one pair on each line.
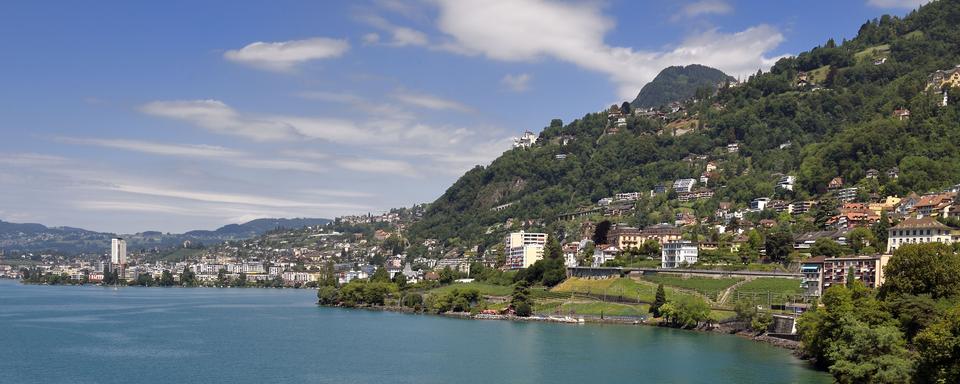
591, 308
705, 285
484, 288
873, 52
627, 288
819, 75
764, 289
720, 314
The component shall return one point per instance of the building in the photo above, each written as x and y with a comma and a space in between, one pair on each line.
821, 273
628, 196
678, 253
801, 207
917, 230
527, 140
759, 203
901, 114
604, 253
933, 205
846, 194
835, 183
628, 237
733, 148
523, 249
118, 251
684, 185
702, 193
804, 241
942, 79
786, 182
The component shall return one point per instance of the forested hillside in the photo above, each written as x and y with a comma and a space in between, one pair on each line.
678, 83
825, 113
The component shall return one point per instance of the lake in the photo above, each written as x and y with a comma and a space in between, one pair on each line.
206, 335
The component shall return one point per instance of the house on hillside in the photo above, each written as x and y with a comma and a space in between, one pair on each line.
901, 114
527, 140
835, 184
684, 185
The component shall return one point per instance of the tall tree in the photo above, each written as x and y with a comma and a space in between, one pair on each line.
659, 301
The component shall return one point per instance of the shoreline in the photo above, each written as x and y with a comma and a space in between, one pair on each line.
790, 345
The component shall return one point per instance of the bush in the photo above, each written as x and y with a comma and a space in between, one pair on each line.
523, 309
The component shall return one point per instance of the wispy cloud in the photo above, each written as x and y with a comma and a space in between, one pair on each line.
285, 55
399, 36
517, 83
216, 116
424, 100
703, 7
189, 150
392, 167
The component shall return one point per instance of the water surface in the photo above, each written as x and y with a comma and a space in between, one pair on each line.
208, 335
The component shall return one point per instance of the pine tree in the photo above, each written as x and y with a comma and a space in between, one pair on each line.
661, 299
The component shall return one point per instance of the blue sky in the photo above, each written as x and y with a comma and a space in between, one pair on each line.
127, 116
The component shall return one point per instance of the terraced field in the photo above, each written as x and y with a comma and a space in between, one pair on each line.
625, 288
706, 286
768, 290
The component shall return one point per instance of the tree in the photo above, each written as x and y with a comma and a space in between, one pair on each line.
826, 247
860, 239
917, 269
553, 249
779, 244
881, 229
400, 280
659, 301
328, 295
166, 279
380, 275
939, 348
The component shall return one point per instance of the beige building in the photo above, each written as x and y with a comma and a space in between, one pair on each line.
523, 249
913, 230
821, 273
628, 237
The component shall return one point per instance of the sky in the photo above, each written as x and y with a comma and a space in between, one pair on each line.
126, 116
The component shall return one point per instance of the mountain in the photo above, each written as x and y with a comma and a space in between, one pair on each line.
30, 237
256, 227
825, 113
677, 83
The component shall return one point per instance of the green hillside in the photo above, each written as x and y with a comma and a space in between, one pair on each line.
678, 84
843, 127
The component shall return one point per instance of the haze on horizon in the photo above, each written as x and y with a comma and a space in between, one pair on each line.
123, 117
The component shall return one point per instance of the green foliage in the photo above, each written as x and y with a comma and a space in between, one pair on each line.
678, 84
328, 295
916, 269
166, 279
827, 247
707, 286
365, 293
659, 301
686, 312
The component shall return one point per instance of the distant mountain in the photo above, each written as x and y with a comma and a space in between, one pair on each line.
31, 237
678, 84
257, 227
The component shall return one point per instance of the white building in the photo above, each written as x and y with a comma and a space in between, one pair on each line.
759, 203
628, 196
914, 230
684, 185
601, 256
786, 182
677, 253
526, 141
118, 251
523, 249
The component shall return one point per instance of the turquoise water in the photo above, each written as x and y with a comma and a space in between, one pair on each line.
176, 335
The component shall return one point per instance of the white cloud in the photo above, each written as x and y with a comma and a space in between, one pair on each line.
216, 116
31, 159
516, 83
190, 150
905, 4
399, 36
371, 38
223, 198
704, 7
285, 55
423, 100
527, 30
391, 167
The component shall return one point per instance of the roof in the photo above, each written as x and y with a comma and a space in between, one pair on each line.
923, 222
